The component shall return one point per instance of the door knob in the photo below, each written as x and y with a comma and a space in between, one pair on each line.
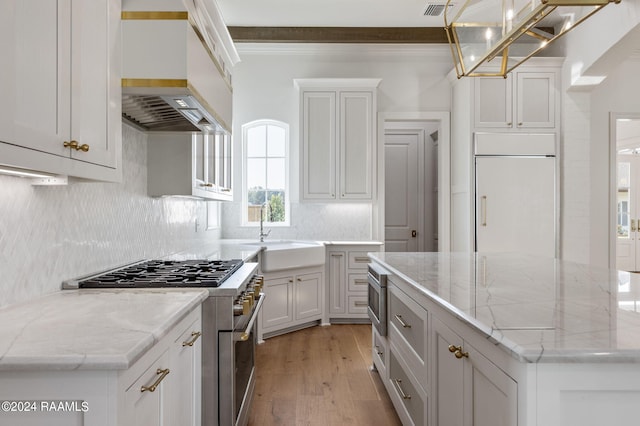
414, 233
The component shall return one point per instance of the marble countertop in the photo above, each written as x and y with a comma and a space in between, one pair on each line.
536, 309
90, 329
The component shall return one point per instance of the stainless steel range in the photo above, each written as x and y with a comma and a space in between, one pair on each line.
228, 324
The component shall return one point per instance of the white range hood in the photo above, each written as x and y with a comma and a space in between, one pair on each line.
176, 69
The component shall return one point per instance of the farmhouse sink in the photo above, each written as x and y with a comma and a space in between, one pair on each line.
278, 255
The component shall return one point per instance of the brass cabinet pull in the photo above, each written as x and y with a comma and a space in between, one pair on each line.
225, 189
378, 350
361, 303
195, 335
361, 282
362, 259
402, 323
162, 373
457, 351
397, 384
633, 225
207, 185
75, 145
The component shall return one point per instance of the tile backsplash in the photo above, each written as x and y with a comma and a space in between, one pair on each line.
49, 234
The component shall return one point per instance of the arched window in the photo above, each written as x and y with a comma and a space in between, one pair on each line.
266, 172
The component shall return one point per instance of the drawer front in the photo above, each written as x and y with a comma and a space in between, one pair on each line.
358, 260
143, 398
357, 304
413, 402
358, 283
379, 349
410, 321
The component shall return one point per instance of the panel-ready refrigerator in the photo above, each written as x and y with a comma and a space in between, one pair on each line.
515, 193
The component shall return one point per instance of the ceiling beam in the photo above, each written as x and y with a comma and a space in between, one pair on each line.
338, 34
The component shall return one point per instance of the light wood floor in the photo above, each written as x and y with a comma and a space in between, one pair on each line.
320, 376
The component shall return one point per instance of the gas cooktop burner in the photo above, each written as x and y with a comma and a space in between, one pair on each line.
167, 273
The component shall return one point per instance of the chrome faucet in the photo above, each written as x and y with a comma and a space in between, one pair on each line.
262, 233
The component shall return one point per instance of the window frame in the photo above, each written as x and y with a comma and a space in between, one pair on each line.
245, 190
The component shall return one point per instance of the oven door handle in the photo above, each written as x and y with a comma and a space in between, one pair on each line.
242, 336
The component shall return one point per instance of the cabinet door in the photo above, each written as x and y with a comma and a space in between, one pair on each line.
308, 294
184, 389
448, 377
493, 102
144, 406
95, 77
356, 145
35, 74
535, 99
319, 145
491, 395
278, 305
337, 284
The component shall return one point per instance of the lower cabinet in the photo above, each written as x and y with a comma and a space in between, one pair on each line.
162, 388
293, 299
468, 388
434, 374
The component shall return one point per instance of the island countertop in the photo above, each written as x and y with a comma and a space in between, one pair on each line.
90, 329
537, 309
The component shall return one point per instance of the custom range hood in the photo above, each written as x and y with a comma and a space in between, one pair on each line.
176, 69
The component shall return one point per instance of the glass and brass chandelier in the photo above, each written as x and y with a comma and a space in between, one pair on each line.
492, 37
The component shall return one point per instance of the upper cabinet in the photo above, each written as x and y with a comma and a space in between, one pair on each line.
338, 133
60, 86
523, 100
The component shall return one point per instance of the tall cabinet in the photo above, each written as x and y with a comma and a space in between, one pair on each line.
525, 103
338, 134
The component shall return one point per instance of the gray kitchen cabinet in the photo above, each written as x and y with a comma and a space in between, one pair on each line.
338, 134
61, 87
190, 164
468, 389
294, 298
347, 281
522, 100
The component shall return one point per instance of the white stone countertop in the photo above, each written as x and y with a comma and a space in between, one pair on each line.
536, 309
90, 329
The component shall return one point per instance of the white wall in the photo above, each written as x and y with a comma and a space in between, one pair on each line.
413, 80
49, 234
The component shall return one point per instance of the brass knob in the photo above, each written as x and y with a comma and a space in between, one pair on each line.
457, 351
72, 144
246, 307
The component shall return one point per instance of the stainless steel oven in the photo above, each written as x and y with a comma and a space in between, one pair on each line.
377, 297
236, 364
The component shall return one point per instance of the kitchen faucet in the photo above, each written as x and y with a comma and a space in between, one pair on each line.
262, 233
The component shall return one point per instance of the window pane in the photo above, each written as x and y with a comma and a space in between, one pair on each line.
276, 144
257, 141
276, 212
276, 176
256, 173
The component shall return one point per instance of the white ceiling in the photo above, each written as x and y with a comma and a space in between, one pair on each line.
329, 13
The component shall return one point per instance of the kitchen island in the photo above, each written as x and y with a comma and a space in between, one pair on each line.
507, 339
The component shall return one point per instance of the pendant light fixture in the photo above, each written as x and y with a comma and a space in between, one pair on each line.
492, 37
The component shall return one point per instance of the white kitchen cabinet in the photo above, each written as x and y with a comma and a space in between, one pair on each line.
111, 397
189, 164
347, 281
409, 399
522, 100
61, 87
468, 389
293, 300
338, 133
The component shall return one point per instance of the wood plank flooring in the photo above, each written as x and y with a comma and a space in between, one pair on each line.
320, 376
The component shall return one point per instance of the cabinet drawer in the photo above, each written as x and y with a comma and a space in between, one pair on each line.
408, 400
358, 260
357, 304
358, 283
380, 351
410, 321
143, 398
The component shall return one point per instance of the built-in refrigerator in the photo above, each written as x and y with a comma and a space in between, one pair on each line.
515, 193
